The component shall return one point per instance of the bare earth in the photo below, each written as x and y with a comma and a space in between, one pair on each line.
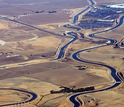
27, 56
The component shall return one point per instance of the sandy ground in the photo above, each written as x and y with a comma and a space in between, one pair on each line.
35, 85
11, 96
105, 100
65, 80
47, 27
30, 65
112, 56
106, 1
29, 84
3, 26
45, 18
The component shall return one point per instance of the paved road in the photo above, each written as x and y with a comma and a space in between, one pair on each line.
25, 63
34, 27
32, 95
75, 56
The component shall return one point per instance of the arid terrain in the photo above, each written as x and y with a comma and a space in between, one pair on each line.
30, 42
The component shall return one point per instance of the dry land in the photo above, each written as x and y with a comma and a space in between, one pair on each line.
27, 56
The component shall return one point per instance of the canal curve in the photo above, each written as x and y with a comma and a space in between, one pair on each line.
117, 81
32, 95
92, 2
77, 104
75, 18
62, 49
113, 72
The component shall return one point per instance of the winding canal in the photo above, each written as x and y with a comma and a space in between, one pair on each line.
117, 81
32, 96
62, 50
